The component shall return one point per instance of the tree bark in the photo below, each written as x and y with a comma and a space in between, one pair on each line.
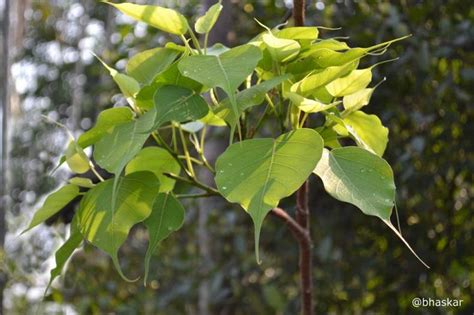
302, 212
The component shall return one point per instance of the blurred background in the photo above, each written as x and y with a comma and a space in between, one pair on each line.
208, 267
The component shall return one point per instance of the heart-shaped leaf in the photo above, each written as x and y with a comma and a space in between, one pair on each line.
258, 173
107, 226
226, 71
359, 177
353, 82
166, 217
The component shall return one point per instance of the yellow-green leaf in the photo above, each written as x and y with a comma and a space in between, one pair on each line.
76, 158
106, 226
158, 161
353, 82
205, 23
164, 19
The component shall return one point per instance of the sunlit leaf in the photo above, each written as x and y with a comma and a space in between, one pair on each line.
226, 71
205, 23
353, 82
308, 33
166, 217
106, 121
367, 131
258, 173
164, 19
54, 203
76, 158
320, 78
308, 105
281, 49
331, 44
106, 226
158, 161
127, 85
146, 65
357, 100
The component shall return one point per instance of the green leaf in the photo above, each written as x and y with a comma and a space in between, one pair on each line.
320, 78
76, 158
106, 226
308, 105
158, 161
325, 58
353, 82
164, 19
281, 49
307, 33
246, 99
63, 254
81, 182
106, 121
226, 71
146, 65
166, 217
367, 131
175, 103
359, 177
127, 85
331, 44
258, 173
329, 136
205, 23
217, 49
54, 203
115, 149
173, 76
212, 119
357, 100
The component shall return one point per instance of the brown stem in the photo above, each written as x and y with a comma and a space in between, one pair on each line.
305, 257
299, 12
303, 238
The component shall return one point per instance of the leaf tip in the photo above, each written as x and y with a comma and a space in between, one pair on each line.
120, 272
394, 229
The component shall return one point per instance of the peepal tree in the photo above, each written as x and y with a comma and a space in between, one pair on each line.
282, 82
